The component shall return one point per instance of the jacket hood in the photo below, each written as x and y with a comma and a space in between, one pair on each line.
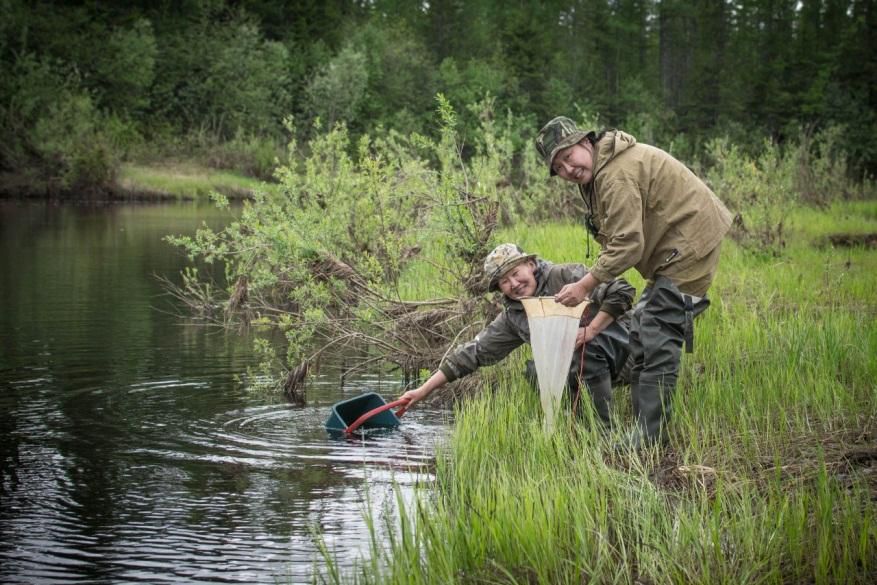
612, 144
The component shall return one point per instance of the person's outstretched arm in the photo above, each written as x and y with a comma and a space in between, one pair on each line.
436, 381
491, 345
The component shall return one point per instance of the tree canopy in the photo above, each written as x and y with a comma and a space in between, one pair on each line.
681, 71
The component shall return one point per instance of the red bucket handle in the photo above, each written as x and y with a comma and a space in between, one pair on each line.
403, 402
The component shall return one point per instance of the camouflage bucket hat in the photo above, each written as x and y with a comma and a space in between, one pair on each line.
559, 133
503, 258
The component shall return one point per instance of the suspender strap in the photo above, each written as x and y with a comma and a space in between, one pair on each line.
689, 323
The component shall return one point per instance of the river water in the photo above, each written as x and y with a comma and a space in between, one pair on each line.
132, 448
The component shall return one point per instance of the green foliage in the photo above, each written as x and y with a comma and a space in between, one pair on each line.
125, 69
381, 77
758, 190
823, 173
680, 71
338, 223
645, 116
325, 257
52, 124
69, 135
400, 77
810, 169
338, 90
222, 77
252, 154
466, 82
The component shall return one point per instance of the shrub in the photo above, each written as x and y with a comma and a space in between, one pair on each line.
759, 190
337, 91
822, 172
125, 68
256, 156
327, 257
52, 128
220, 77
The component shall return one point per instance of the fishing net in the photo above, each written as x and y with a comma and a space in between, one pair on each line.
553, 329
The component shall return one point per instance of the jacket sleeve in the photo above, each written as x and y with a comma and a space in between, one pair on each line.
491, 345
614, 297
621, 228
570, 273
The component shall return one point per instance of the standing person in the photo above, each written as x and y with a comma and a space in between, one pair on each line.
518, 275
650, 212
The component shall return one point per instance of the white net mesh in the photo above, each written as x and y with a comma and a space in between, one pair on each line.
553, 329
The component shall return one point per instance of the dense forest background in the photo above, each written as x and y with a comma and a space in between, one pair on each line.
85, 85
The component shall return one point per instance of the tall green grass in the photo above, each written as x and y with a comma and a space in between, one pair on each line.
769, 476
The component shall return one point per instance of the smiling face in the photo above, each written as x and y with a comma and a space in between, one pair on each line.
520, 281
575, 163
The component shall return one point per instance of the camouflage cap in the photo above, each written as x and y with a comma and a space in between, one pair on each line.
501, 260
559, 133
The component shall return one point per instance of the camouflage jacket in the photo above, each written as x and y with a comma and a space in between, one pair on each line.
510, 329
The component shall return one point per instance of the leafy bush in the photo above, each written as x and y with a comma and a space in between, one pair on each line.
51, 125
810, 169
338, 90
380, 79
253, 155
326, 258
125, 68
468, 82
822, 173
222, 77
759, 190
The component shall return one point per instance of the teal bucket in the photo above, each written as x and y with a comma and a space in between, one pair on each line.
346, 412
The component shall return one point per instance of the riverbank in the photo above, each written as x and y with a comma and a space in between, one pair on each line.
156, 181
770, 474
184, 180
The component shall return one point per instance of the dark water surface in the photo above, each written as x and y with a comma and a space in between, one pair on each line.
129, 449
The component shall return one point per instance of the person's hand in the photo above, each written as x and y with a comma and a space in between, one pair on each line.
585, 335
415, 396
571, 294
437, 380
590, 334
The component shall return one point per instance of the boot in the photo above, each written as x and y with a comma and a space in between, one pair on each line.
653, 406
601, 394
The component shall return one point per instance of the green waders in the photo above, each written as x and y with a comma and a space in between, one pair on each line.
663, 320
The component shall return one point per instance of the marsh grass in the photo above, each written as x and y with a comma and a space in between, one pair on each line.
770, 474
183, 180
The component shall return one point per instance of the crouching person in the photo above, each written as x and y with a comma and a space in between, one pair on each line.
603, 333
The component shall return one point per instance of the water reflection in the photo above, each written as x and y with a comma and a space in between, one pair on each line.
129, 452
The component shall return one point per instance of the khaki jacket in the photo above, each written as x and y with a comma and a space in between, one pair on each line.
650, 211
510, 329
